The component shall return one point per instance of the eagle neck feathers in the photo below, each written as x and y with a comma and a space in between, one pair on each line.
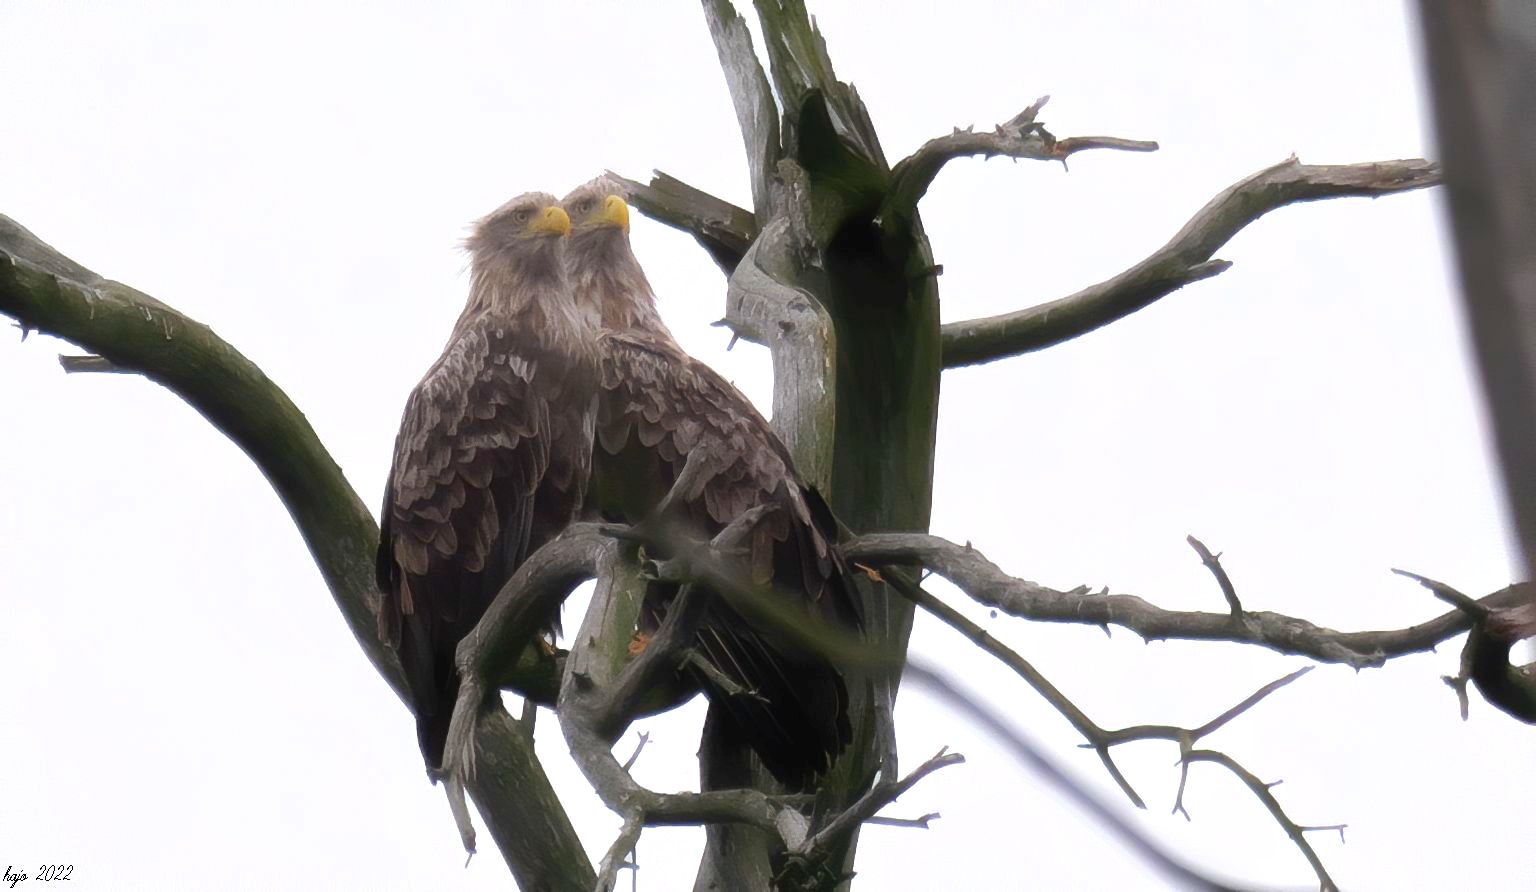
530, 295
611, 288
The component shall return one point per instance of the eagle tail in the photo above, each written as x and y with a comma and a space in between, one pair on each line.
431, 684
790, 706
432, 736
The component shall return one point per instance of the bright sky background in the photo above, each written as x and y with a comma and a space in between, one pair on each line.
183, 706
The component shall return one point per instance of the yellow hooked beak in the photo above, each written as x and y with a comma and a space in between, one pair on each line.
614, 213
551, 221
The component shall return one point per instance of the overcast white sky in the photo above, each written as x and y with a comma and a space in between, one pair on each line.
182, 705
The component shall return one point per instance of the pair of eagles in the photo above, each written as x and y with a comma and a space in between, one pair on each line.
562, 394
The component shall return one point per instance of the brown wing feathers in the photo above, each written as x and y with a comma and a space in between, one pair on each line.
659, 404
492, 458
496, 449
658, 407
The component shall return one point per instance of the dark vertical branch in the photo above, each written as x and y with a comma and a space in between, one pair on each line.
1482, 64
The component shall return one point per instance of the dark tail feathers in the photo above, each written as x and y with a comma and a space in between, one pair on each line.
791, 707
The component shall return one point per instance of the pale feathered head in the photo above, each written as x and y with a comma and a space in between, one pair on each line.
606, 279
517, 263
597, 209
522, 224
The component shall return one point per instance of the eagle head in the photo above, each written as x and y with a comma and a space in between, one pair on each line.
533, 218
596, 207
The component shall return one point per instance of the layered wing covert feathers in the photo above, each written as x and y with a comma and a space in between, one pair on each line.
657, 406
491, 461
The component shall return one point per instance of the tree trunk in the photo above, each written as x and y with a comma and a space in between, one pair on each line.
845, 298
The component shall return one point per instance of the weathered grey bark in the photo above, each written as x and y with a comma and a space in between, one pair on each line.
46, 291
984, 581
851, 314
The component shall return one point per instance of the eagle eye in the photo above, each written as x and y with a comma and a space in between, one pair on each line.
584, 207
522, 216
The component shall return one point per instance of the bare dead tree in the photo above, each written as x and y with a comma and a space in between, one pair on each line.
832, 271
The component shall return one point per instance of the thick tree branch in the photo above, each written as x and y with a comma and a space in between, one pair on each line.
1021, 137
756, 114
505, 632
721, 228
615, 706
981, 579
1485, 657
46, 291
132, 331
614, 689
1481, 57
762, 307
597, 660
1185, 259
813, 282
600, 692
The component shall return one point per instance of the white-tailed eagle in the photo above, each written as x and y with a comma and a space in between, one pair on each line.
493, 455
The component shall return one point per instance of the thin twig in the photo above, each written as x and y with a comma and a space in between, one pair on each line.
1031, 755
880, 795
1099, 739
920, 823
91, 363
645, 737
614, 860
1212, 562
1261, 790
1464, 603
1025, 670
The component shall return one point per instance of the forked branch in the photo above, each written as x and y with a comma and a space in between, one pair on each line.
1021, 137
1101, 740
984, 581
881, 794
1485, 658
1186, 258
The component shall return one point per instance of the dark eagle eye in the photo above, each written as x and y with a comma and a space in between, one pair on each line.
522, 215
